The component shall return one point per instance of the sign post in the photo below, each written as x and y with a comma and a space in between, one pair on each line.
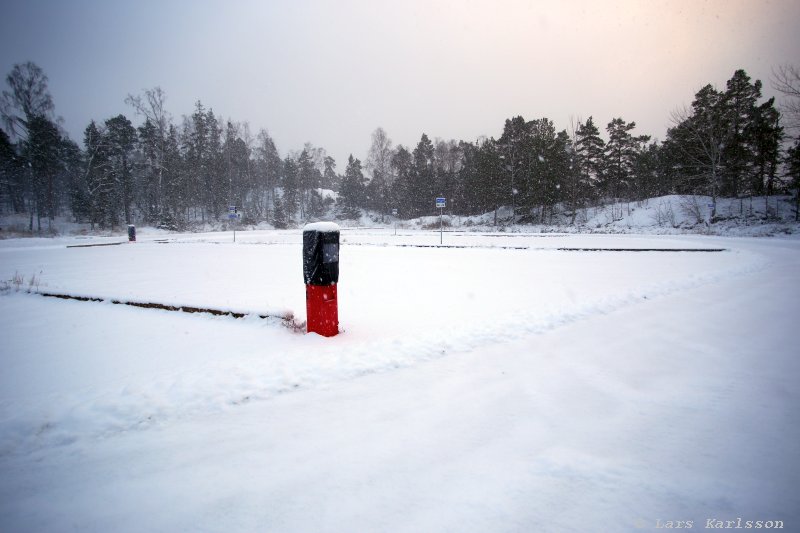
394, 214
440, 203
233, 216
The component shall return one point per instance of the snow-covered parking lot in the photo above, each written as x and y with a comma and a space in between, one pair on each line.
502, 382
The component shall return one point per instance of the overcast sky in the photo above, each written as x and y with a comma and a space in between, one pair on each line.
330, 72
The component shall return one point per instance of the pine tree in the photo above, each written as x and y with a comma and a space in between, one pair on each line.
150, 171
236, 160
621, 152
696, 144
515, 151
541, 184
739, 103
269, 167
217, 186
491, 172
177, 194
353, 191
308, 179
11, 174
765, 135
291, 187
401, 194
95, 182
589, 150
793, 170
120, 141
447, 160
423, 178
42, 149
279, 218
330, 180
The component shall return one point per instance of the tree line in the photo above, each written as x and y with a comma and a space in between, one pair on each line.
729, 143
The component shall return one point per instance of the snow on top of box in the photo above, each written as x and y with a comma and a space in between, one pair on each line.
321, 226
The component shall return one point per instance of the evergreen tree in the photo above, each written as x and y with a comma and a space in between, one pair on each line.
739, 109
217, 186
447, 159
330, 180
401, 192
696, 144
423, 178
468, 180
559, 167
269, 168
353, 191
515, 151
491, 169
150, 171
279, 218
765, 134
177, 194
621, 152
543, 170
793, 170
236, 158
647, 166
589, 151
42, 150
308, 179
478, 194
11, 174
95, 183
291, 187
120, 142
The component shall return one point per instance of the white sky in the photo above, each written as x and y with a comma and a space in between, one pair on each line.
330, 72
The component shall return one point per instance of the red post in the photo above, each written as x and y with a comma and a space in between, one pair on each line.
322, 310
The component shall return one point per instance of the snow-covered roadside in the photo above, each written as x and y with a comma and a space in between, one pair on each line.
681, 407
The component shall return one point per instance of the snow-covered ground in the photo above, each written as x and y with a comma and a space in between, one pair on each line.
502, 382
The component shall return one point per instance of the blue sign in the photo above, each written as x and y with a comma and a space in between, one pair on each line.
440, 202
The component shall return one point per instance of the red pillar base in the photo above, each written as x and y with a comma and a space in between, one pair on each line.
322, 310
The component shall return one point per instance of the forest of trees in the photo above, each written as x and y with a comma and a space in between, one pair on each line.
728, 143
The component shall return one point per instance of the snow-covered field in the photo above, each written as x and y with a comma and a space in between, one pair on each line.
502, 382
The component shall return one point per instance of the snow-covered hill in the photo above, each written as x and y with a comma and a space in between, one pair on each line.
674, 214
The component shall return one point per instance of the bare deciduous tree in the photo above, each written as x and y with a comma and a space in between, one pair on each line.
27, 98
151, 107
786, 80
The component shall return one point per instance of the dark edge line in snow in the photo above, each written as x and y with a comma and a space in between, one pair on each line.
92, 245
287, 319
462, 246
640, 249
